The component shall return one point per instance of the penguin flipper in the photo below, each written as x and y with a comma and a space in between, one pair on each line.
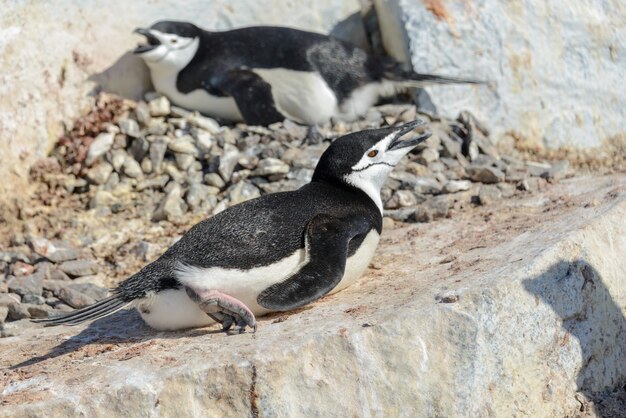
326, 247
253, 96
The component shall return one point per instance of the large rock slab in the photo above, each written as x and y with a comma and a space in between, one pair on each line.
508, 310
557, 66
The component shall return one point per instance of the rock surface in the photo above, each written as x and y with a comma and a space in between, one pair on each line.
514, 309
536, 72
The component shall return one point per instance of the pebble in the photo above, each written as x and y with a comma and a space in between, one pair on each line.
19, 268
100, 146
401, 199
139, 148
157, 154
172, 207
228, 161
77, 268
489, 194
242, 191
18, 311
214, 179
74, 298
485, 174
89, 289
269, 166
4, 312
8, 298
26, 285
129, 127
132, 168
100, 173
454, 186
159, 106
182, 146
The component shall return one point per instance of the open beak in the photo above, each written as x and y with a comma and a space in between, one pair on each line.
153, 41
398, 143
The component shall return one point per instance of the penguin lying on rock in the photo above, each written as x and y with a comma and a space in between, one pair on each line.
263, 75
273, 253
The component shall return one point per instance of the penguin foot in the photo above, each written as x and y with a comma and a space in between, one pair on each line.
224, 309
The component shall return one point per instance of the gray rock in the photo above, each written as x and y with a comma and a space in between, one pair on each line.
26, 285
157, 126
78, 268
454, 186
228, 161
117, 158
159, 106
33, 299
142, 113
198, 193
18, 311
40, 311
146, 165
485, 174
203, 122
241, 192
100, 146
401, 199
294, 130
146, 251
240, 176
74, 298
270, 166
129, 127
139, 148
157, 182
102, 198
183, 146
92, 290
428, 155
426, 185
172, 207
8, 298
157, 154
4, 312
132, 168
184, 161
489, 194
249, 162
507, 189
557, 171
54, 286
204, 140
214, 179
100, 173
174, 173
537, 169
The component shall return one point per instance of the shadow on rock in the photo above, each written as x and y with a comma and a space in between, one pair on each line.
128, 77
578, 295
122, 327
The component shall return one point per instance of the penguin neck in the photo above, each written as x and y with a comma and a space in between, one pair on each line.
371, 193
173, 62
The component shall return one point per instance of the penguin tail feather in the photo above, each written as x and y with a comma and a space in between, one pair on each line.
413, 79
100, 309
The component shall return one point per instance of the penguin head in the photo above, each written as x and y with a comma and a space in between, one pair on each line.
364, 159
170, 44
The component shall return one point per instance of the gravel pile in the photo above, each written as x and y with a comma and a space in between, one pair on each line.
169, 166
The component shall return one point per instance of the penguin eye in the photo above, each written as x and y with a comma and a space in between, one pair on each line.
174, 40
373, 153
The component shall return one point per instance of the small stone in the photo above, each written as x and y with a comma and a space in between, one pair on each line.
454, 186
54, 286
100, 146
507, 189
142, 113
40, 311
240, 176
537, 169
182, 146
157, 126
294, 130
270, 166
139, 148
556, 172
33, 299
428, 155
203, 122
120, 142
157, 182
241, 192
132, 168
19, 268
8, 298
197, 194
129, 127
249, 162
74, 298
401, 199
59, 275
489, 194
426, 185
184, 161
4, 312
75, 185
172, 207
26, 285
117, 158
101, 199
146, 251
157, 154
146, 166
89, 289
228, 161
77, 268
214, 179
100, 173
485, 174
204, 140
18, 311
159, 106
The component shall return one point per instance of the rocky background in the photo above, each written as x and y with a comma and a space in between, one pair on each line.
130, 177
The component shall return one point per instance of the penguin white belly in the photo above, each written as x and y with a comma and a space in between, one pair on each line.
363, 98
172, 309
200, 99
302, 96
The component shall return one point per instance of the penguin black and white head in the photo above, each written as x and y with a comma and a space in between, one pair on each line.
277, 252
266, 74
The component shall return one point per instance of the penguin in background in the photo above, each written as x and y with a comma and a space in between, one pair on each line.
274, 253
265, 74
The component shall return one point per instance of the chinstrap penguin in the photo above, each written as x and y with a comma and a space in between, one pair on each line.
277, 252
265, 74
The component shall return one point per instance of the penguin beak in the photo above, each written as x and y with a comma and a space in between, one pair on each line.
153, 41
397, 142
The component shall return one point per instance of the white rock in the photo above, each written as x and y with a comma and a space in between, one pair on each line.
100, 146
159, 106
454, 186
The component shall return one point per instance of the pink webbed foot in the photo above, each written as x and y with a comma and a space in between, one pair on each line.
223, 308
